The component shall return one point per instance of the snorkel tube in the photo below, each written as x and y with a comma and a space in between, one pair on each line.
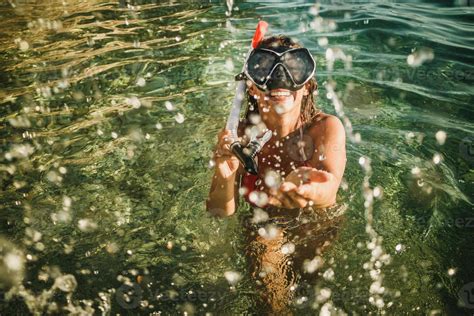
247, 154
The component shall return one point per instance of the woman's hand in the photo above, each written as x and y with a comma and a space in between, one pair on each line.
301, 187
226, 162
286, 196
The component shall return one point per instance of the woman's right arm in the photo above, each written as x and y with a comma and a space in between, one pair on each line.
222, 197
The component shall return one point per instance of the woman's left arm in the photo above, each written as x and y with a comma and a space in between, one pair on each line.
320, 186
324, 184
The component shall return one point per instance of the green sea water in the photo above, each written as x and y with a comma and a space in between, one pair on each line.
109, 113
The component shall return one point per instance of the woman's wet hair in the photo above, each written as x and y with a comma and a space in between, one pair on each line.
308, 108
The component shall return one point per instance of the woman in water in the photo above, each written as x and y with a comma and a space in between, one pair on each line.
300, 168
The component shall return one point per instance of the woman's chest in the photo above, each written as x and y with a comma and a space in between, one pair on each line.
289, 154
278, 159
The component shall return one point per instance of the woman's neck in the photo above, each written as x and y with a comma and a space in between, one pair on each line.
281, 125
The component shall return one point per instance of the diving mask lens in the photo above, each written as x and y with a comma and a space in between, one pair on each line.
259, 66
299, 64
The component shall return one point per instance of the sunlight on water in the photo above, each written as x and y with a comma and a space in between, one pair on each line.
110, 112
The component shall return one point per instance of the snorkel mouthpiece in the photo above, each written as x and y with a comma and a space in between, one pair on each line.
247, 155
247, 160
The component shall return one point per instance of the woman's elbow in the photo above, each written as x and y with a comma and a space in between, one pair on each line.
220, 211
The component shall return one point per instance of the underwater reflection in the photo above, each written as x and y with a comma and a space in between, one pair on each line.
284, 253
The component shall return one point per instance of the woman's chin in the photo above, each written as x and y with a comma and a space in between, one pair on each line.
283, 106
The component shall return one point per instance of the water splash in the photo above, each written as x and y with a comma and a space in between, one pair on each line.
378, 256
420, 56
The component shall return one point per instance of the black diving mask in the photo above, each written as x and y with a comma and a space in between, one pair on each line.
289, 69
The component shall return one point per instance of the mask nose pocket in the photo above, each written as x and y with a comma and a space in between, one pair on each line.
280, 79
279, 73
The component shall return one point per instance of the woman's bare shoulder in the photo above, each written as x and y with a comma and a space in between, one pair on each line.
324, 124
318, 120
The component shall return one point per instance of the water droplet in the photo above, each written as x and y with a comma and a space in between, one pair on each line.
270, 231
20, 121
23, 45
169, 106
377, 192
323, 295
419, 56
134, 102
67, 202
330, 54
329, 274
112, 248
179, 118
13, 261
211, 164
259, 216
87, 225
66, 283
141, 82
229, 64
20, 151
232, 277
441, 137
53, 176
258, 198
323, 41
288, 248
314, 10
310, 266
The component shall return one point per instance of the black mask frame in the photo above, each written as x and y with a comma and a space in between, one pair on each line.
261, 82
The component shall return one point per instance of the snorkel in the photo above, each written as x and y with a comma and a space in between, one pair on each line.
247, 154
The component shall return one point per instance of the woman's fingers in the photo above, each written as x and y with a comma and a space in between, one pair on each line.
288, 194
274, 201
306, 190
283, 195
287, 201
223, 144
278, 195
298, 199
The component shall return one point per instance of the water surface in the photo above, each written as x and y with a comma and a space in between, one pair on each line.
110, 112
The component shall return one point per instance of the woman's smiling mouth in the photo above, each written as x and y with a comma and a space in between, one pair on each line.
279, 95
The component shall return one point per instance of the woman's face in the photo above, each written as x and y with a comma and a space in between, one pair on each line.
278, 101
